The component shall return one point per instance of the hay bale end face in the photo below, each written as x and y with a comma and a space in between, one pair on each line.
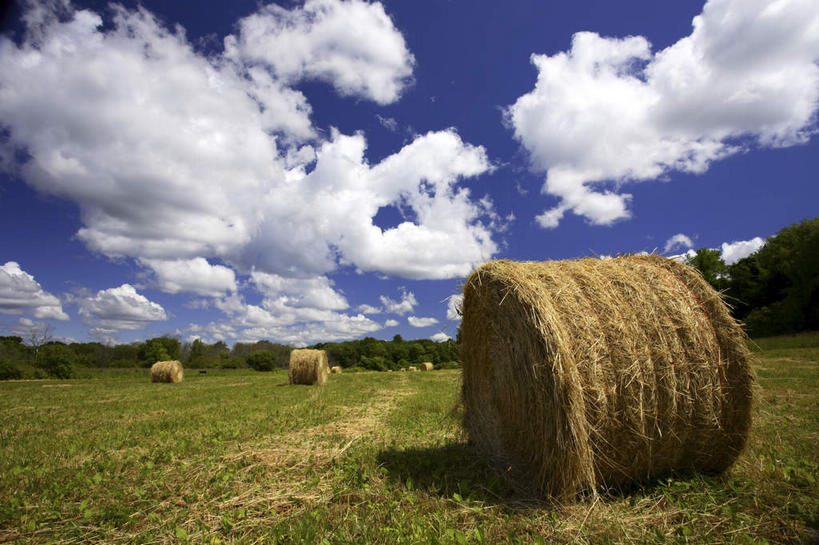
412, 368
336, 369
588, 374
166, 371
427, 366
308, 367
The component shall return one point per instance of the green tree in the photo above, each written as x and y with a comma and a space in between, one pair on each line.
710, 264
262, 360
57, 360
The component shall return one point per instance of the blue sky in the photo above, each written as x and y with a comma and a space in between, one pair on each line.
326, 170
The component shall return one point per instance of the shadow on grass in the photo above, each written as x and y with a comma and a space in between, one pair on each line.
454, 471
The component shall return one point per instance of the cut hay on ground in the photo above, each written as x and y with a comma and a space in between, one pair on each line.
308, 367
427, 366
336, 369
588, 374
412, 368
166, 371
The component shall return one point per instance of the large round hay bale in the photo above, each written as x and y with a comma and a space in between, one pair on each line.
412, 368
336, 369
589, 374
166, 371
427, 366
308, 367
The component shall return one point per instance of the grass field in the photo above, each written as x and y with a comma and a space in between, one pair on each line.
241, 457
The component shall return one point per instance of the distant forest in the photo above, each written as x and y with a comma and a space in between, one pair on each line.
773, 291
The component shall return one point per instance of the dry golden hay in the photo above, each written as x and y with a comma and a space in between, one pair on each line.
412, 368
336, 369
427, 366
403, 369
166, 371
308, 367
588, 374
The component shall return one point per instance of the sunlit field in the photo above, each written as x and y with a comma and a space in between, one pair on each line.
242, 457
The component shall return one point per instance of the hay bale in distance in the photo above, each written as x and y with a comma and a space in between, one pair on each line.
403, 369
589, 374
308, 367
166, 371
427, 366
412, 368
336, 369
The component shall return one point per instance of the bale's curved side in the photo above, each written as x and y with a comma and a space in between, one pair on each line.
412, 368
593, 373
167, 371
427, 366
308, 367
336, 369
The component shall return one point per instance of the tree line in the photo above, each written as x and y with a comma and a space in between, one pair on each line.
19, 359
775, 290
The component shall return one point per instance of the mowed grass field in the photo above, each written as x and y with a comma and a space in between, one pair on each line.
242, 457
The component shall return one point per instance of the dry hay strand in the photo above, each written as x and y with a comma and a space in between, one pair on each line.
588, 374
166, 371
427, 366
412, 368
308, 367
336, 369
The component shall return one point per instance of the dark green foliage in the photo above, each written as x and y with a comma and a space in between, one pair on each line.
376, 355
263, 360
57, 360
711, 266
8, 370
159, 349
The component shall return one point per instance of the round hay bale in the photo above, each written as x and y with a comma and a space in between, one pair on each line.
403, 370
589, 374
308, 367
412, 368
427, 366
166, 371
336, 369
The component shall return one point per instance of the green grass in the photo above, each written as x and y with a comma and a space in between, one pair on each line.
242, 457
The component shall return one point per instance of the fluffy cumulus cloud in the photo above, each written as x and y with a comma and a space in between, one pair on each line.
610, 111
391, 323
678, 242
416, 321
114, 309
402, 306
21, 294
181, 161
454, 306
353, 45
734, 251
440, 337
192, 275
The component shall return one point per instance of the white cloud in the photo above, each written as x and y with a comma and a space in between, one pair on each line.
119, 308
368, 309
454, 306
678, 241
610, 112
440, 337
734, 251
170, 155
416, 321
192, 275
388, 123
405, 304
391, 323
21, 294
354, 45
314, 292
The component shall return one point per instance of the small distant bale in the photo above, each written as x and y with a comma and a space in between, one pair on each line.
427, 366
412, 368
308, 367
403, 369
166, 371
336, 369
589, 374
